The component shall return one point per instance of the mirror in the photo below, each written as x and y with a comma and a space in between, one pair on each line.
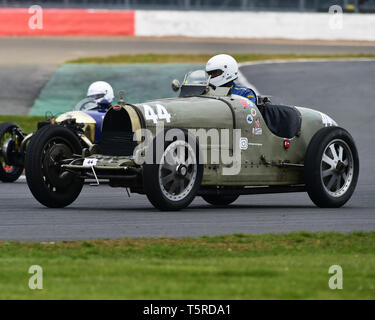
176, 85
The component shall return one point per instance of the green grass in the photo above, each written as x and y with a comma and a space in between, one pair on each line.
27, 123
202, 58
284, 266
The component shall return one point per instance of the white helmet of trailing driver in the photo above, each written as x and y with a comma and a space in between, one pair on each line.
222, 69
100, 91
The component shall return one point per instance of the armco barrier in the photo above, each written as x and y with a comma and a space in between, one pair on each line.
65, 22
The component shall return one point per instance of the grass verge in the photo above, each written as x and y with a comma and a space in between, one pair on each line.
282, 266
203, 58
26, 123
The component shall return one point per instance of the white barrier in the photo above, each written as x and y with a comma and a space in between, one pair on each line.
262, 25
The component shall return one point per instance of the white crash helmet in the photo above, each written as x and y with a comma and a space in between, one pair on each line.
222, 69
100, 91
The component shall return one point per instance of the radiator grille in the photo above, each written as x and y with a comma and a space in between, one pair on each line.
117, 134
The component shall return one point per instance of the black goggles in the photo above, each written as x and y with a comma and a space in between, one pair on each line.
97, 96
215, 73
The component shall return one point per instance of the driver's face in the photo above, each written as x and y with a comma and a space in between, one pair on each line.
215, 73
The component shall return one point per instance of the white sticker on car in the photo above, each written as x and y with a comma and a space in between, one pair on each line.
89, 162
249, 119
244, 143
257, 131
253, 112
327, 121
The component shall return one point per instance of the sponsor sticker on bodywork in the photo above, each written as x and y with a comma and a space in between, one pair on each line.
257, 130
244, 143
253, 112
249, 119
244, 103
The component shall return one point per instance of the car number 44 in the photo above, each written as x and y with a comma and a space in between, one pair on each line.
161, 113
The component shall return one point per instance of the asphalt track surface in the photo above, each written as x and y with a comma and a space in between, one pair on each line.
344, 90
27, 63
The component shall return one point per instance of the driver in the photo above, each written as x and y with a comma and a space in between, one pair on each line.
102, 93
223, 70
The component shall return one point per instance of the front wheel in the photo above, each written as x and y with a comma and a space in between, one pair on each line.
50, 184
331, 167
174, 180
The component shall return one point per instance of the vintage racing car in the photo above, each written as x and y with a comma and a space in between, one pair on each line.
13, 141
206, 142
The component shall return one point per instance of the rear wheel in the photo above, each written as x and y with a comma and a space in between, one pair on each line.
220, 200
9, 172
331, 167
50, 184
173, 181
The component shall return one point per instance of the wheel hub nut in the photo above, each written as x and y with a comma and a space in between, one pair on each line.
181, 170
340, 167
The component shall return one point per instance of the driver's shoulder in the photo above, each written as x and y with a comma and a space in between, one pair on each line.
238, 87
241, 88
243, 91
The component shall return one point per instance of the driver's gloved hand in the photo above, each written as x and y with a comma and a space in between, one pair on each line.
266, 100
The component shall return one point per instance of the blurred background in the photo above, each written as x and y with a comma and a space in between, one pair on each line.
282, 5
36, 44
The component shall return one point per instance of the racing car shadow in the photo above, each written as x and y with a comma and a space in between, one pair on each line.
198, 208
252, 206
206, 209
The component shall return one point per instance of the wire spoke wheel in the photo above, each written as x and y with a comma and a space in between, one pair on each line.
172, 181
177, 171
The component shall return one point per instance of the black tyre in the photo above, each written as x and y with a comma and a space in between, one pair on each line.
171, 184
220, 200
8, 171
331, 167
48, 182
